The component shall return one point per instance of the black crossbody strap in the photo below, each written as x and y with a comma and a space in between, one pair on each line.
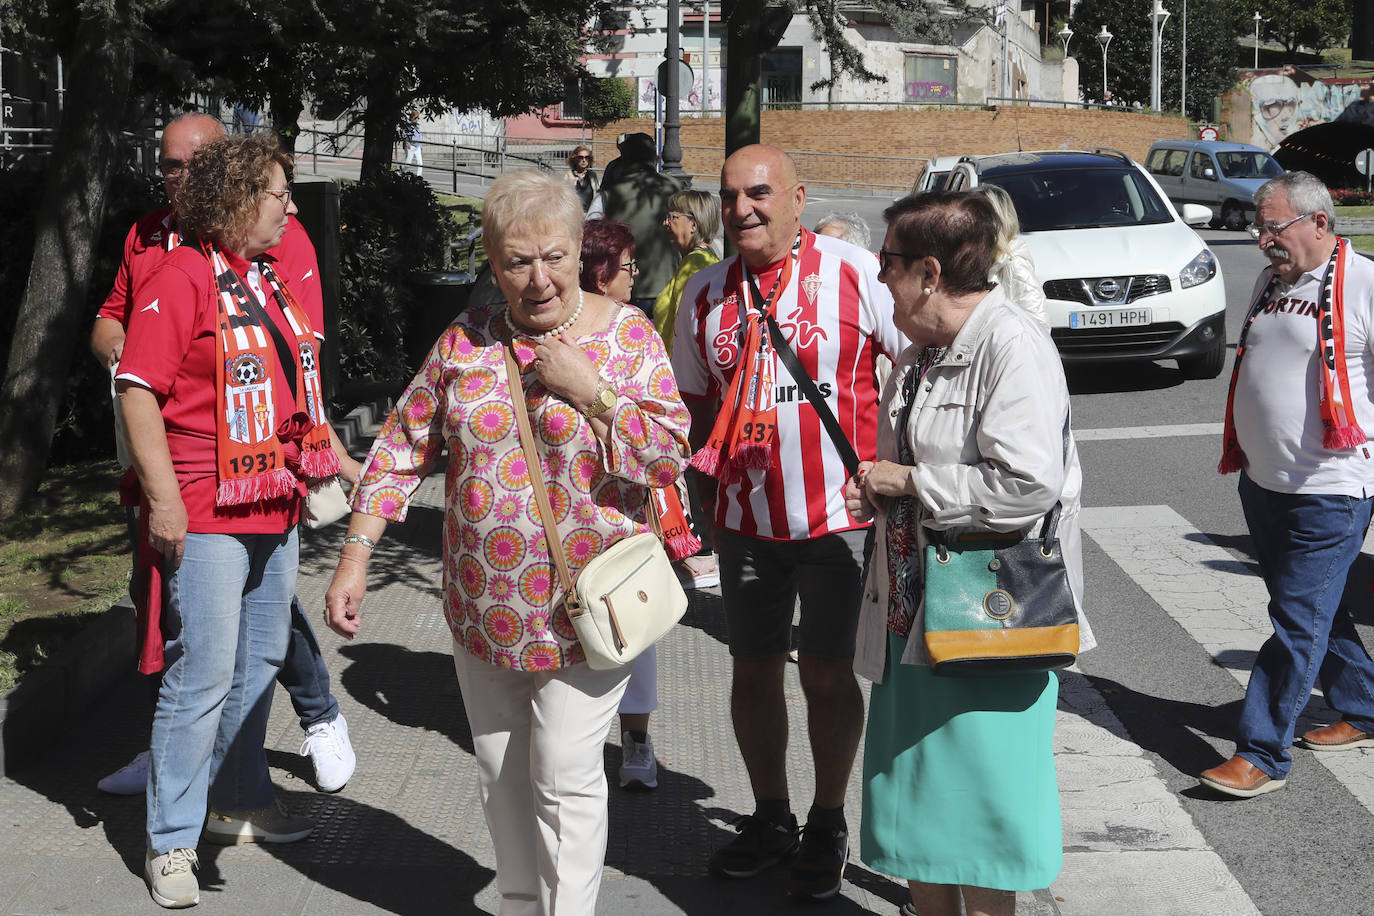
808, 387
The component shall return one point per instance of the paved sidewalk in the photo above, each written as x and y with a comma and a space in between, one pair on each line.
407, 835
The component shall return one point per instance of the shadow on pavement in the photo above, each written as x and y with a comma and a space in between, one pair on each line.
1114, 377
414, 689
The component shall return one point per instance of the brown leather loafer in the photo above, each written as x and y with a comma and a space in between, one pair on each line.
1339, 736
1241, 778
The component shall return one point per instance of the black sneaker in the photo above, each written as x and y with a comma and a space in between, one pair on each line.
818, 870
760, 843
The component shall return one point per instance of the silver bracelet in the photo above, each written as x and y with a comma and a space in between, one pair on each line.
360, 539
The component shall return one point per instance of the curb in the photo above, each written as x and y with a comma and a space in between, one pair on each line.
60, 690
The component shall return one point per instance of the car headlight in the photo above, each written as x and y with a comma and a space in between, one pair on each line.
1199, 270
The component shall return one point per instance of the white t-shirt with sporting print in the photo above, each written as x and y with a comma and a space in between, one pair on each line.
838, 319
1277, 414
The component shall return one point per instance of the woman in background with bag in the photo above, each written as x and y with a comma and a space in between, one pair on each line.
608, 425
960, 796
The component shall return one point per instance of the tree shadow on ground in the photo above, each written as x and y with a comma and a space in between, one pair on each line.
358, 851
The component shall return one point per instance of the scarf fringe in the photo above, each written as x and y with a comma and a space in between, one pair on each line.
319, 465
752, 456
1344, 437
1231, 462
707, 460
272, 485
682, 546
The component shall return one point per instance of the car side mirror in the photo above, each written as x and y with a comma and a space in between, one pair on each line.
1196, 214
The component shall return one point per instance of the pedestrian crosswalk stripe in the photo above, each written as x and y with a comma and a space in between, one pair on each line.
1148, 432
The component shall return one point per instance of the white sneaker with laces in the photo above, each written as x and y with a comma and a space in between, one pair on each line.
130, 779
171, 882
328, 747
638, 768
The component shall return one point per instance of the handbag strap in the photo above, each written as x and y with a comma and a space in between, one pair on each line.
533, 468
536, 473
808, 387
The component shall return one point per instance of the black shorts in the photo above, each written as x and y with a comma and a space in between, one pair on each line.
760, 581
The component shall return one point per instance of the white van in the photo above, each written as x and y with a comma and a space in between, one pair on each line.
1223, 177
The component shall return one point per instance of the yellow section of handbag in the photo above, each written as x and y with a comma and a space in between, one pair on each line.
954, 645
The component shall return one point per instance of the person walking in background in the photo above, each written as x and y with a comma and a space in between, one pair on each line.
225, 426
638, 196
582, 176
150, 240
610, 426
411, 142
608, 268
847, 225
1012, 268
782, 530
973, 440
1300, 390
693, 225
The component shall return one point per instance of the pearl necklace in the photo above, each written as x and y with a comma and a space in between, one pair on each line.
577, 313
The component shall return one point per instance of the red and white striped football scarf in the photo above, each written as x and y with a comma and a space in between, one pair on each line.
253, 461
742, 436
1341, 430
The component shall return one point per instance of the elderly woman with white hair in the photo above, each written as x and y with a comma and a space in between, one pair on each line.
847, 225
1012, 267
609, 425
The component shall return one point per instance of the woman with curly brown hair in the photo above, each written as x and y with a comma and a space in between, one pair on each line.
220, 390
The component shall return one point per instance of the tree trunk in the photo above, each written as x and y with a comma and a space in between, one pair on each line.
53, 316
380, 118
286, 112
743, 73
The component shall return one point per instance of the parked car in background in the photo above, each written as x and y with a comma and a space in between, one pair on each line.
1222, 177
1124, 276
934, 175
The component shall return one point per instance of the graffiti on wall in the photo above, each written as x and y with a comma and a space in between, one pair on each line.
1287, 100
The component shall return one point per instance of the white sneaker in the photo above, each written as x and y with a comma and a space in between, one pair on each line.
327, 746
170, 879
638, 768
130, 779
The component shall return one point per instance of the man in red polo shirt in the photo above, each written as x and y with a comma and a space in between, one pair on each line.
303, 674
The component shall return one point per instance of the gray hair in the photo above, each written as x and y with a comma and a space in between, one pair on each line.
529, 198
704, 210
852, 227
1306, 193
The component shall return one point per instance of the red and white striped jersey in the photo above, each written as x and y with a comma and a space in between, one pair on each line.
838, 319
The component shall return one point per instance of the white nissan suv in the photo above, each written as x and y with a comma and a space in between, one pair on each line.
1124, 276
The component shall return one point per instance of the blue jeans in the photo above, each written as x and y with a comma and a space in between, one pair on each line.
304, 675
227, 616
1305, 544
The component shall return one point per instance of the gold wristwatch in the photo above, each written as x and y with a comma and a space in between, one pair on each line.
605, 399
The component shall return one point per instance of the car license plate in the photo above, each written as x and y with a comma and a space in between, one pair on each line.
1109, 318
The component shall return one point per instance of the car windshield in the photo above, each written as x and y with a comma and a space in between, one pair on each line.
1248, 164
1081, 198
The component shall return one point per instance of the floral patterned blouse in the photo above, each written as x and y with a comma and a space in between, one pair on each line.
501, 594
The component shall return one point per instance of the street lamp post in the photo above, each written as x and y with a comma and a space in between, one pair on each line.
1104, 38
1158, 15
1183, 67
1064, 35
1258, 20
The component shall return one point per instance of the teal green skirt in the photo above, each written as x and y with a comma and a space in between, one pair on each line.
959, 782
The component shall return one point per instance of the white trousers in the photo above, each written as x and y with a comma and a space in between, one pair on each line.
641, 694
538, 739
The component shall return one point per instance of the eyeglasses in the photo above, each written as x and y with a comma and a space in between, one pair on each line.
885, 256
581, 156
631, 268
674, 215
1272, 108
281, 194
171, 166
1259, 229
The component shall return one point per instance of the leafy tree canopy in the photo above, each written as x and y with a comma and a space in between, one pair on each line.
1312, 24
1213, 27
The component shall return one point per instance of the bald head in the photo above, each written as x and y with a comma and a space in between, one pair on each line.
182, 136
761, 203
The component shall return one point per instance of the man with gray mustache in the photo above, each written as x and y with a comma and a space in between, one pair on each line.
1300, 392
